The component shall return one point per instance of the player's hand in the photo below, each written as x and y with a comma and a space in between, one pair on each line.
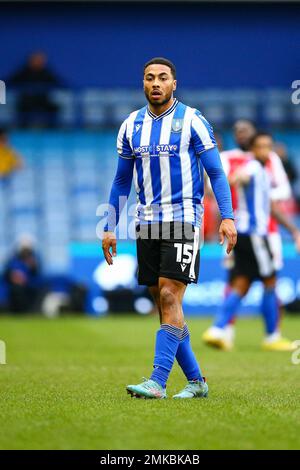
109, 241
297, 240
228, 230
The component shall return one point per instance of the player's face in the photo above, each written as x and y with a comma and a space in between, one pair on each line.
159, 84
243, 133
262, 147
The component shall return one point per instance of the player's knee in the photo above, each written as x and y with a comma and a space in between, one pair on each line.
241, 285
167, 297
270, 282
244, 289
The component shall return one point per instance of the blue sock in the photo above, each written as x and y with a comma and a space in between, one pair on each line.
167, 342
270, 310
228, 309
186, 358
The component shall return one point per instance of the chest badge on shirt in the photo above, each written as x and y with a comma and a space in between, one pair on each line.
177, 125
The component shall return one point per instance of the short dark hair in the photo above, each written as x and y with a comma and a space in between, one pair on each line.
259, 134
162, 61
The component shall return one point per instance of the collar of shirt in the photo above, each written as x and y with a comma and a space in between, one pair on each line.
165, 113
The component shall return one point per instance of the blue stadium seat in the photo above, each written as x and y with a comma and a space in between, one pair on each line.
55, 258
94, 108
8, 114
275, 107
67, 104
243, 104
295, 114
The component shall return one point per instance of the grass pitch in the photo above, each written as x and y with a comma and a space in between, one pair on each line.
63, 387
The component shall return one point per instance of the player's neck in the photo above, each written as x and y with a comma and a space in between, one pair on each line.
159, 109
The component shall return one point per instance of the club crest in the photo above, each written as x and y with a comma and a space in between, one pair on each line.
177, 125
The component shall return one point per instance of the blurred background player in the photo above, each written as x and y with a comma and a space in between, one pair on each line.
253, 258
281, 193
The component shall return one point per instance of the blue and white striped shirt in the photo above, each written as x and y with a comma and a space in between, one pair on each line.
254, 200
168, 173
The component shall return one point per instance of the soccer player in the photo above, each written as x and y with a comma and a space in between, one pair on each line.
232, 160
166, 145
252, 254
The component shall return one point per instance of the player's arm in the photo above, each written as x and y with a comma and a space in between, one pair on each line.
240, 177
119, 194
212, 163
283, 220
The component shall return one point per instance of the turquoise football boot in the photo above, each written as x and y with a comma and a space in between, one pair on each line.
194, 389
147, 389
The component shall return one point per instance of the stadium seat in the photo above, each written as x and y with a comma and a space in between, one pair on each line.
67, 102
67, 175
275, 107
94, 108
244, 105
8, 114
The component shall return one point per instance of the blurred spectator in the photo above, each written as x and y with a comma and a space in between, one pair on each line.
33, 82
9, 159
22, 275
243, 130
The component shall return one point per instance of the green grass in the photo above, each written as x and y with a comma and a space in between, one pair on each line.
63, 387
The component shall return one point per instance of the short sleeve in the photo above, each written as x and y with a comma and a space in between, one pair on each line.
123, 146
202, 134
250, 169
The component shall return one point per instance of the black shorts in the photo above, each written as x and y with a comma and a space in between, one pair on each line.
252, 258
169, 249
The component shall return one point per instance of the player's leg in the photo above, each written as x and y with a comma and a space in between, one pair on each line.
148, 255
230, 327
169, 335
239, 288
169, 294
185, 355
270, 309
180, 260
244, 269
217, 335
154, 291
270, 305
